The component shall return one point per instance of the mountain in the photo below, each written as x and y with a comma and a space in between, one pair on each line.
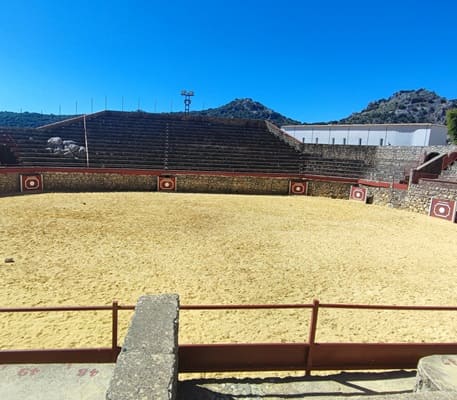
405, 106
246, 108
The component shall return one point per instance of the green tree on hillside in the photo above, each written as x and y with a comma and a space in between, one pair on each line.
451, 121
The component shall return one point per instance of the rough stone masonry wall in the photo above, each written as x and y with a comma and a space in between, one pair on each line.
9, 183
395, 162
386, 196
341, 152
257, 185
418, 197
334, 190
232, 184
94, 182
383, 163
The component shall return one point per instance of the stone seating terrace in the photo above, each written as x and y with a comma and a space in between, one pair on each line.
175, 142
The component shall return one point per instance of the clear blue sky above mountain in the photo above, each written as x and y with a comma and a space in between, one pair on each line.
309, 60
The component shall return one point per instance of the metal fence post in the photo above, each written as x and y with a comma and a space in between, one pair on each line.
312, 336
114, 325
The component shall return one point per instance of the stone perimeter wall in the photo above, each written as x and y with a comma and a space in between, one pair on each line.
416, 198
99, 182
96, 182
9, 183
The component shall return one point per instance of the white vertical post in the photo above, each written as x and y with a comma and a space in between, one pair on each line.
85, 141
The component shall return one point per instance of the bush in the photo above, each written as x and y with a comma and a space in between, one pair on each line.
451, 122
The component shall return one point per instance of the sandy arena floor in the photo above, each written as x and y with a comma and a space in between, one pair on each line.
91, 248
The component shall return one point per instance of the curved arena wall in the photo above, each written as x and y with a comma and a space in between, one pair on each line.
415, 197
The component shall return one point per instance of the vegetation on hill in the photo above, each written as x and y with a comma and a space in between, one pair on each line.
406, 106
29, 120
451, 119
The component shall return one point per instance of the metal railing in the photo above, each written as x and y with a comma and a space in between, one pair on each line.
306, 356
92, 355
449, 159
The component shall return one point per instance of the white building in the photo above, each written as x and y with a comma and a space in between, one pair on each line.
370, 134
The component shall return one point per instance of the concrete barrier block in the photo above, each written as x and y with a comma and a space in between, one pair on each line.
437, 373
147, 367
154, 326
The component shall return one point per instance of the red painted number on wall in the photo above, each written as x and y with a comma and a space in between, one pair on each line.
28, 371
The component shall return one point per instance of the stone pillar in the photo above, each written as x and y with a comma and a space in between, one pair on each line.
147, 367
437, 373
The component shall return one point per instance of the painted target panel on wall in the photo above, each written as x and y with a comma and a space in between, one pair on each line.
444, 209
358, 193
166, 184
31, 183
298, 187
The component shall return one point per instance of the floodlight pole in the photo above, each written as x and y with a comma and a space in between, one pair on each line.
187, 99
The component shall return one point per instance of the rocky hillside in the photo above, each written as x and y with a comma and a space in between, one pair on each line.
247, 108
406, 106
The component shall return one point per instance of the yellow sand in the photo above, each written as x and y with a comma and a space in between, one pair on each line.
89, 248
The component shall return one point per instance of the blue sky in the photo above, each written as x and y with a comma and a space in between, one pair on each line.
310, 60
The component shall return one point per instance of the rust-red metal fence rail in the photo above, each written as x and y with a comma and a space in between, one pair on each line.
305, 356
84, 355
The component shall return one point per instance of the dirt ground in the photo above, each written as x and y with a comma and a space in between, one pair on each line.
91, 248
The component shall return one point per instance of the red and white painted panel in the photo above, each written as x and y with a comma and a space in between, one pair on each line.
31, 183
166, 183
358, 193
298, 187
444, 209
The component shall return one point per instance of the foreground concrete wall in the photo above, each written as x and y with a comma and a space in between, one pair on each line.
147, 367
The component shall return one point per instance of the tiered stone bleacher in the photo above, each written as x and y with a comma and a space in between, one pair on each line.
13, 141
138, 140
157, 141
316, 165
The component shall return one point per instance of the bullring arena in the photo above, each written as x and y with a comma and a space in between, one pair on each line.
112, 206
90, 248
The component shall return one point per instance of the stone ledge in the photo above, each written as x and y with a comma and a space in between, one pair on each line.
154, 326
143, 376
147, 367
